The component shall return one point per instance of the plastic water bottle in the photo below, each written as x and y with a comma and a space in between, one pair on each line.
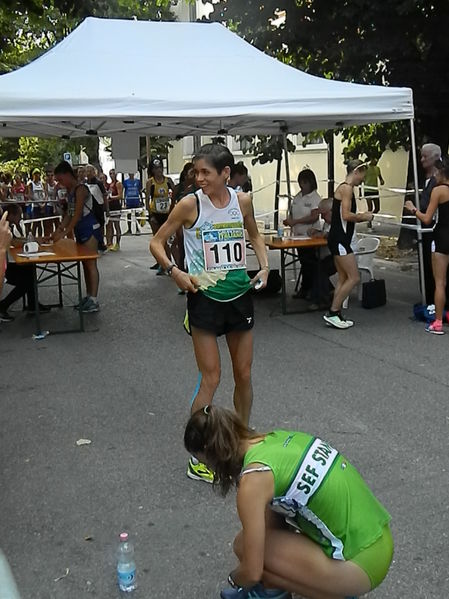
126, 566
280, 230
30, 237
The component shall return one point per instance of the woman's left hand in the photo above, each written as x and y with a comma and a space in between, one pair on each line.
410, 206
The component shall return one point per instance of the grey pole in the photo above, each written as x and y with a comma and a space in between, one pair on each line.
419, 230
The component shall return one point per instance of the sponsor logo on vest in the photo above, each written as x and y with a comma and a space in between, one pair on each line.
312, 471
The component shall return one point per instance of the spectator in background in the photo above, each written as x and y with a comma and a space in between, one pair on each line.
372, 179
20, 277
50, 187
430, 154
115, 195
321, 286
5, 241
303, 214
239, 176
133, 198
185, 186
36, 194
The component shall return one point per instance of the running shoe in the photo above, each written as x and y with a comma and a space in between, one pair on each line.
198, 471
90, 306
337, 321
5, 317
154, 267
160, 271
83, 301
256, 592
434, 328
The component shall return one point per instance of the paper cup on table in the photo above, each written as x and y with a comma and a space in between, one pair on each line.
30, 247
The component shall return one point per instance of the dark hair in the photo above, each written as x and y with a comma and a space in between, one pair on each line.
184, 172
64, 168
443, 165
308, 176
217, 155
356, 164
13, 209
238, 169
217, 434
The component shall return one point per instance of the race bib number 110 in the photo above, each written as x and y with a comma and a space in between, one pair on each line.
224, 249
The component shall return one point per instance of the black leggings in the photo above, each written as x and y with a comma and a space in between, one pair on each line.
21, 277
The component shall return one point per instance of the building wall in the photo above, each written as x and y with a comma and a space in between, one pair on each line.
393, 166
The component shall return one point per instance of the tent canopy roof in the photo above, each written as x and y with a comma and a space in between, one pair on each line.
176, 79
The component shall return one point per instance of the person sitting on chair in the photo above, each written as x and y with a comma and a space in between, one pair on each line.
21, 277
303, 214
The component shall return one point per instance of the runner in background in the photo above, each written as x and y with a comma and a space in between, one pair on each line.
214, 220
133, 199
115, 196
159, 196
239, 176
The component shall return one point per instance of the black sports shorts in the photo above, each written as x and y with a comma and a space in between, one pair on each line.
219, 318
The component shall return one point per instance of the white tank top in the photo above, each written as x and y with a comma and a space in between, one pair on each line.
37, 192
215, 249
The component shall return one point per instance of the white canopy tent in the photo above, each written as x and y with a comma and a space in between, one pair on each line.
176, 79
112, 76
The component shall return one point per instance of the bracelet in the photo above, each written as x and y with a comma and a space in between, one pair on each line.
170, 268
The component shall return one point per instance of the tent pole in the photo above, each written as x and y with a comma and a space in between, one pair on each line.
330, 166
277, 191
287, 170
419, 233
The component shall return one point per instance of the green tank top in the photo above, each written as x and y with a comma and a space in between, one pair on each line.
319, 492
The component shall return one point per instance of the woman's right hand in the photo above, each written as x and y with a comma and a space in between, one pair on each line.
368, 216
185, 281
5, 233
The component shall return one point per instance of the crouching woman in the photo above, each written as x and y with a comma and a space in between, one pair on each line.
289, 482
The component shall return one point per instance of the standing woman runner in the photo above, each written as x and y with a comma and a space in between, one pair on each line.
344, 217
159, 198
290, 481
80, 220
439, 200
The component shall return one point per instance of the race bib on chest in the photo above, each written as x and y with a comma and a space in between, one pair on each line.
162, 204
224, 249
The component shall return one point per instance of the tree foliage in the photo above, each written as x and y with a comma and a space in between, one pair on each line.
27, 29
365, 41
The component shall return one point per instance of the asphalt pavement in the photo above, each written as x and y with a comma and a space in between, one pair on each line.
378, 392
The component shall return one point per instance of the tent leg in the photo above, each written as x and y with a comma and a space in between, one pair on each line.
330, 166
419, 233
277, 191
289, 189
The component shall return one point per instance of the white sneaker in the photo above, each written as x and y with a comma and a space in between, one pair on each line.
337, 322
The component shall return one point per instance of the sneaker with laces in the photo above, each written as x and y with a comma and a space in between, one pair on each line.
83, 301
435, 328
256, 592
5, 317
337, 321
198, 471
90, 306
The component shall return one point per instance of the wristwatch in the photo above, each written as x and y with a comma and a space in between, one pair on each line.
170, 269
